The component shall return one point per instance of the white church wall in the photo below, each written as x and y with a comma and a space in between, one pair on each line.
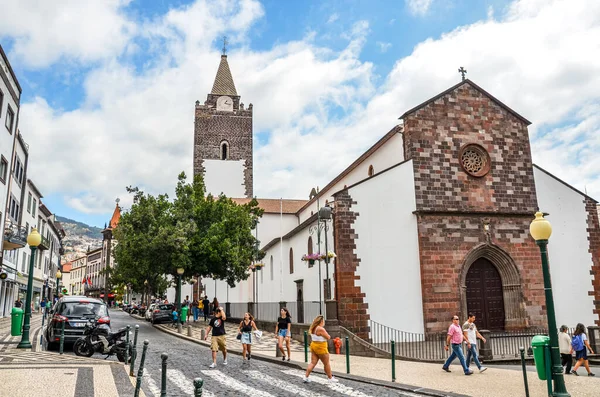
225, 176
570, 261
387, 245
392, 152
274, 225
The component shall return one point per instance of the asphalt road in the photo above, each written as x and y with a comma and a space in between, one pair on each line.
188, 360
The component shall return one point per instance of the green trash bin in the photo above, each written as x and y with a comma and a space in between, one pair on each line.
16, 321
184, 312
539, 343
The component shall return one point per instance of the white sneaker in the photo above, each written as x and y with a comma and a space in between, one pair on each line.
333, 380
213, 365
482, 369
225, 362
307, 380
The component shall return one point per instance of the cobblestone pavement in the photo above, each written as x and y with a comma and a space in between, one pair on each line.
256, 378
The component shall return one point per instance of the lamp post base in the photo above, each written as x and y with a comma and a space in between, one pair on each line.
24, 345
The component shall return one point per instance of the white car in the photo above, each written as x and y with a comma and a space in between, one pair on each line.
148, 314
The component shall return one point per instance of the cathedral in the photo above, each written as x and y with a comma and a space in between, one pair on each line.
431, 221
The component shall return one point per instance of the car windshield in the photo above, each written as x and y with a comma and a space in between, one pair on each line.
83, 309
165, 307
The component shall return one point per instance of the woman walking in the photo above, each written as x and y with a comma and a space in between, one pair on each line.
581, 345
283, 330
245, 329
318, 348
215, 303
566, 351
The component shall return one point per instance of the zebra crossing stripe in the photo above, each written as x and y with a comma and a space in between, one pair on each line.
282, 384
338, 387
232, 383
154, 389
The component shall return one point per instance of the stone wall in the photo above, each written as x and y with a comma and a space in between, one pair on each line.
593, 230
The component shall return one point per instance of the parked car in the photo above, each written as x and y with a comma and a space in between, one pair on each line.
74, 312
162, 312
148, 314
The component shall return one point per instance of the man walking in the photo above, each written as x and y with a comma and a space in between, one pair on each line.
471, 334
205, 305
456, 337
217, 341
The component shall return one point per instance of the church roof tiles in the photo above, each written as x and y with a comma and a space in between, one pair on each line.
223, 84
275, 206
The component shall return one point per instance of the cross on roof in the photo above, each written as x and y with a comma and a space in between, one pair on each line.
225, 42
462, 71
117, 200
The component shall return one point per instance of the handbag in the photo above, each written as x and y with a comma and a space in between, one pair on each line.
239, 336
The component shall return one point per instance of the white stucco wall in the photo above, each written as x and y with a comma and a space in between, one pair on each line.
570, 261
387, 245
225, 176
273, 226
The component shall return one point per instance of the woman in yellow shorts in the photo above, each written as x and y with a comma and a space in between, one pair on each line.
318, 348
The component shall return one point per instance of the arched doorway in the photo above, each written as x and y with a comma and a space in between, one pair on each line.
485, 295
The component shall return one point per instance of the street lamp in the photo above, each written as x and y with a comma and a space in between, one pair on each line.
147, 295
34, 239
540, 229
180, 271
58, 277
323, 215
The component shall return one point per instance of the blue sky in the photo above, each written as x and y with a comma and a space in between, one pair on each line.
108, 88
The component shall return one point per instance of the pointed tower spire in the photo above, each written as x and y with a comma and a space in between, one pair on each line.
223, 84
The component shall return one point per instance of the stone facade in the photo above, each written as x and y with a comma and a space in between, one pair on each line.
352, 309
593, 230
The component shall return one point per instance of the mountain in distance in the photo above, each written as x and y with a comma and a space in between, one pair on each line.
79, 237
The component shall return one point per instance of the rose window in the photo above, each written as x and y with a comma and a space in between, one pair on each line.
475, 160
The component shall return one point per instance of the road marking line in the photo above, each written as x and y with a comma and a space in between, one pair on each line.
338, 387
154, 389
179, 379
230, 382
283, 384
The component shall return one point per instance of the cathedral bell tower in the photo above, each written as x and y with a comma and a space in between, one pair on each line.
223, 139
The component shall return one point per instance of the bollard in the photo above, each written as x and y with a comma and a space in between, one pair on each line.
393, 361
127, 340
179, 327
347, 356
41, 333
163, 380
138, 383
62, 337
522, 350
277, 351
134, 350
548, 362
305, 346
202, 334
189, 328
198, 382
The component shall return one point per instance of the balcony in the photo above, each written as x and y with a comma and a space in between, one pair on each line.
15, 236
44, 245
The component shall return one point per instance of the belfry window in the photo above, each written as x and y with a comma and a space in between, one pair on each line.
224, 150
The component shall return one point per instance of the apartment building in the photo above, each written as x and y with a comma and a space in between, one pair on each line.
95, 281
78, 274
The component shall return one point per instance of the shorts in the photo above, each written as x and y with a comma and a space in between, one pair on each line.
218, 343
283, 333
579, 354
319, 348
247, 338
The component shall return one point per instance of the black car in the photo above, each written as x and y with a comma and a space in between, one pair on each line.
74, 312
162, 312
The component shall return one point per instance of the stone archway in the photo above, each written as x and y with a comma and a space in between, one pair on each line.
514, 302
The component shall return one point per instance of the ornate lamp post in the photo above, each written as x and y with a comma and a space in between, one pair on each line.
323, 216
146, 291
58, 277
34, 239
180, 272
540, 229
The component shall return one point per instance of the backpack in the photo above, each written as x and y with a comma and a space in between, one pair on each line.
577, 343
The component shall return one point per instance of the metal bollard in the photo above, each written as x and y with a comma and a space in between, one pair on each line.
347, 356
189, 329
41, 333
138, 383
127, 349
198, 382
163, 380
305, 346
62, 337
134, 350
393, 361
522, 350
548, 363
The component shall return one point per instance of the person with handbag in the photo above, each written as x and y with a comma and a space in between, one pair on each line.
318, 348
245, 335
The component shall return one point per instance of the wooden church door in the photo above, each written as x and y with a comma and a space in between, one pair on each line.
484, 295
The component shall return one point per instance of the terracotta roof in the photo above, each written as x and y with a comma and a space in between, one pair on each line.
67, 267
396, 130
274, 206
114, 221
478, 88
223, 84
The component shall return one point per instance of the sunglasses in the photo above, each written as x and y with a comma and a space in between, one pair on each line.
454, 319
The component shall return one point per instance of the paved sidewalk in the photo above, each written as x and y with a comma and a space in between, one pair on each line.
33, 372
494, 382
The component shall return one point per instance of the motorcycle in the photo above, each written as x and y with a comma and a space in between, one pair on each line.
97, 338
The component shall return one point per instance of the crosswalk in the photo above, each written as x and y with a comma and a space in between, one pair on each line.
250, 383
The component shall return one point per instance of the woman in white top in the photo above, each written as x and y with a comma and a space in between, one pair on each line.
318, 348
566, 351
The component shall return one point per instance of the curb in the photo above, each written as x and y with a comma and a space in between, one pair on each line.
391, 385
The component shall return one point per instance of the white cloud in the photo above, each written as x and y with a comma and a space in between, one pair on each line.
383, 47
45, 31
318, 108
334, 17
418, 7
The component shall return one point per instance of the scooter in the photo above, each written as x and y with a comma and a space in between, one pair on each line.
97, 338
